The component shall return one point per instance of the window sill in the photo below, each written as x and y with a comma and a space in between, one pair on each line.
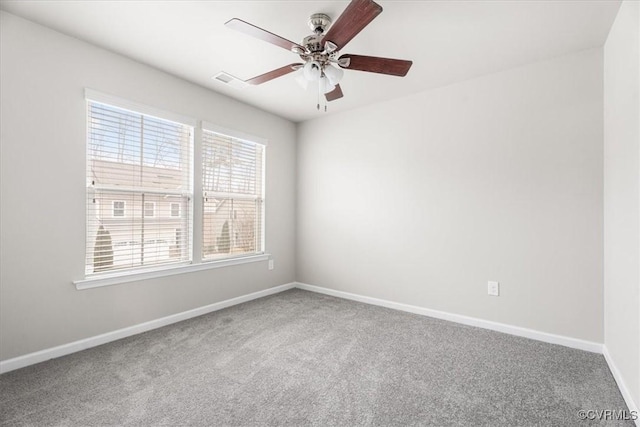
115, 279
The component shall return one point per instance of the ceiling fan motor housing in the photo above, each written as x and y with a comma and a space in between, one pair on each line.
316, 50
313, 43
318, 22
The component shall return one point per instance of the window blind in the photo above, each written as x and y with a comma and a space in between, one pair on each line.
233, 196
139, 190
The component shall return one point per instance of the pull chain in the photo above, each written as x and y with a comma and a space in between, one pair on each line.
321, 86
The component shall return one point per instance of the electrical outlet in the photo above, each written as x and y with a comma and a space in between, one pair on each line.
493, 288
270, 264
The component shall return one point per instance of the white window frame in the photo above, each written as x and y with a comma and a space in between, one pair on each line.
113, 209
195, 231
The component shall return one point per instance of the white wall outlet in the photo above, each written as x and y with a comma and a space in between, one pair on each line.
270, 264
493, 288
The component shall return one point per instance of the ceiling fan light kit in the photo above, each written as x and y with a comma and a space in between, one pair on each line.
333, 74
312, 71
323, 63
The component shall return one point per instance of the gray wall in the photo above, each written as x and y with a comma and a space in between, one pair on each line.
622, 195
43, 116
422, 200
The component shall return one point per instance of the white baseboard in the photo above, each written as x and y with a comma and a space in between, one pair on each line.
63, 350
626, 394
590, 346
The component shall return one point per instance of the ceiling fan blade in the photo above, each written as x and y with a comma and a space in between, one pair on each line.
259, 33
279, 72
373, 64
334, 94
357, 15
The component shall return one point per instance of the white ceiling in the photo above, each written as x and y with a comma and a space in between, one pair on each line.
448, 41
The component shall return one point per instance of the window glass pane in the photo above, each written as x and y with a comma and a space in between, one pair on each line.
139, 173
233, 196
231, 227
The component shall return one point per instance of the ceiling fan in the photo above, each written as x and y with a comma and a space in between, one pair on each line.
320, 51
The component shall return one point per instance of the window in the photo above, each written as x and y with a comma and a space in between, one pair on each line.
149, 209
140, 186
118, 208
233, 196
174, 210
137, 161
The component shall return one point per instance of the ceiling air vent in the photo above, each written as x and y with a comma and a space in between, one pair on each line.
229, 80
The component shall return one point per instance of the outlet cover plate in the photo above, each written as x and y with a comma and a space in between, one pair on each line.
493, 288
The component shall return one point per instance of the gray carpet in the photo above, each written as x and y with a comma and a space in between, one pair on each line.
299, 358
